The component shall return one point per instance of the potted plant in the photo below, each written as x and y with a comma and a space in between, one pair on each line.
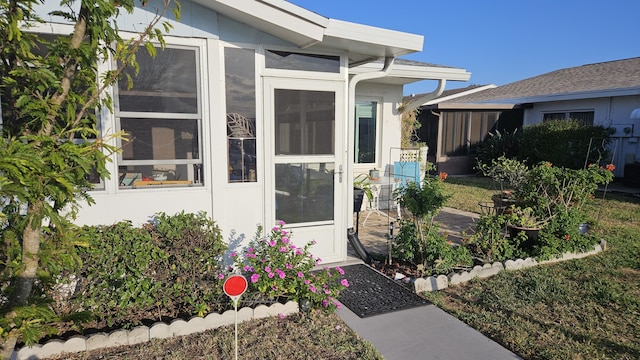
507, 172
374, 174
361, 187
524, 220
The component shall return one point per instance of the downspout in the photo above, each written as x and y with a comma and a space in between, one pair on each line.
350, 124
424, 98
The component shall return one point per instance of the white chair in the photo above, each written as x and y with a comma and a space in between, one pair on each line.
374, 205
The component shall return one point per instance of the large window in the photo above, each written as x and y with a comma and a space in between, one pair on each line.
460, 130
240, 92
366, 123
584, 117
162, 119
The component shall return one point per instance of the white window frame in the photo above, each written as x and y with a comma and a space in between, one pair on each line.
567, 114
378, 140
200, 56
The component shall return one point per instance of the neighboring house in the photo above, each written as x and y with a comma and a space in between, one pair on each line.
254, 113
599, 94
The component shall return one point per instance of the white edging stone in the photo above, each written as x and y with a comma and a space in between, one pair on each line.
432, 283
142, 334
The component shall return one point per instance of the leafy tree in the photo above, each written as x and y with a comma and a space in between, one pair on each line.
50, 94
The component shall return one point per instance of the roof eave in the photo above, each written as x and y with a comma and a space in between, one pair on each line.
278, 18
580, 95
473, 106
307, 29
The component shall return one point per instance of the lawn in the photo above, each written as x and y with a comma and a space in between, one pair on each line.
581, 309
300, 336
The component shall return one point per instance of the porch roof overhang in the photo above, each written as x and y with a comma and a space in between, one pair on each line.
406, 72
309, 30
473, 106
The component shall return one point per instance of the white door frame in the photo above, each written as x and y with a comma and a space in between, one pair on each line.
329, 236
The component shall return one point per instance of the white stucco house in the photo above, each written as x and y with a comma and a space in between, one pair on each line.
256, 112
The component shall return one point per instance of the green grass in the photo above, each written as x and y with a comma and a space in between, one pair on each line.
580, 309
300, 336
467, 192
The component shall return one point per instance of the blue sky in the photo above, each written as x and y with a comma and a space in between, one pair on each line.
501, 41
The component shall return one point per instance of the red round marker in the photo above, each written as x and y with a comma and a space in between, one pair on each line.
235, 285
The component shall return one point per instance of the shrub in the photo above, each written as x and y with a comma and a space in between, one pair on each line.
489, 240
279, 269
433, 254
564, 143
551, 190
497, 144
419, 240
169, 267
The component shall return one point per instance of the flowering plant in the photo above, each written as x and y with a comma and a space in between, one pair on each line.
550, 190
276, 267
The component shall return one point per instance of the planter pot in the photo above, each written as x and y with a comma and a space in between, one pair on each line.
531, 233
374, 174
358, 196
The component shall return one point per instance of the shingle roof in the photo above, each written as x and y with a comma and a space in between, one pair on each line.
610, 75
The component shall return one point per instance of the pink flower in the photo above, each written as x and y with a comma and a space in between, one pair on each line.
267, 268
284, 232
275, 228
271, 275
326, 291
283, 249
325, 303
255, 277
281, 223
281, 316
307, 282
337, 304
233, 254
298, 252
289, 266
280, 273
300, 274
312, 288
272, 243
344, 282
250, 250
248, 268
251, 255
221, 276
339, 269
285, 240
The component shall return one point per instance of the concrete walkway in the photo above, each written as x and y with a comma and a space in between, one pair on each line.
426, 332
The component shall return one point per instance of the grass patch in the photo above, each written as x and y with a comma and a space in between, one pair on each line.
467, 192
580, 309
313, 336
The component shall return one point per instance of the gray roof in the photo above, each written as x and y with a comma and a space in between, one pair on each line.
591, 78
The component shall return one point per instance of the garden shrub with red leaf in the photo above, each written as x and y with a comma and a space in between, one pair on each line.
167, 268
